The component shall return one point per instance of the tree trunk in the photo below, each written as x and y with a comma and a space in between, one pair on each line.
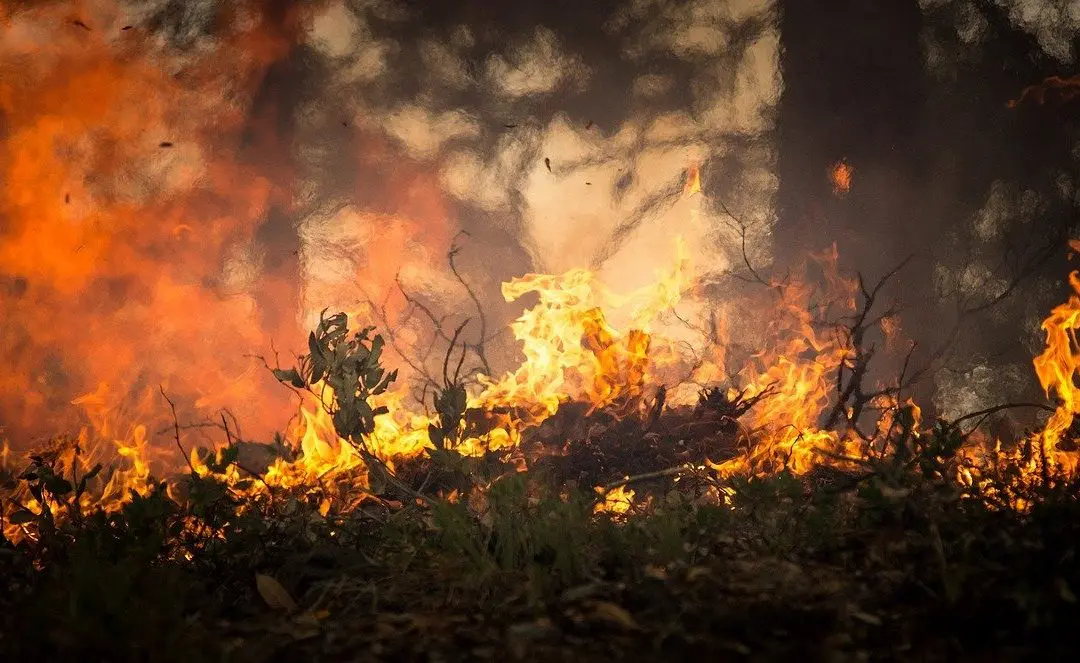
854, 84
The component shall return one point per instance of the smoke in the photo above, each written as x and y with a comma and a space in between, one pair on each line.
130, 208
188, 184
555, 137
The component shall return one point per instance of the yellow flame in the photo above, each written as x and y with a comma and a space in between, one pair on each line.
618, 500
573, 353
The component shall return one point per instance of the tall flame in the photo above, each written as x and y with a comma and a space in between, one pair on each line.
1056, 369
127, 216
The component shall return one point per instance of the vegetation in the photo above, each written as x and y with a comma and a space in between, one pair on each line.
893, 559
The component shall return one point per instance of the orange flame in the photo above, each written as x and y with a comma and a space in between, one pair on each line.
127, 233
840, 176
1056, 369
124, 220
693, 181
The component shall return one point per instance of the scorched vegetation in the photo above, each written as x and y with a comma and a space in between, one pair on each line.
582, 507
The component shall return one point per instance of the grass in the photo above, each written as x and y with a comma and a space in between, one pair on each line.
896, 565
891, 558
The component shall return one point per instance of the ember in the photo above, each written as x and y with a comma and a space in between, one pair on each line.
840, 176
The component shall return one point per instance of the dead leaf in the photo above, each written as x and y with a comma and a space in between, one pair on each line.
866, 618
547, 162
894, 494
656, 572
697, 572
165, 143
579, 593
80, 24
271, 591
614, 614
307, 620
531, 630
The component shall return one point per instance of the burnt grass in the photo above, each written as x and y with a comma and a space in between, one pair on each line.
893, 561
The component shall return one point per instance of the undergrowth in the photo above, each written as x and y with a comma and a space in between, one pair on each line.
896, 560
904, 561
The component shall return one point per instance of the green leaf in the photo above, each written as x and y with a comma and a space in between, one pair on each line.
346, 423
319, 361
87, 477
364, 411
435, 434
290, 376
377, 482
230, 455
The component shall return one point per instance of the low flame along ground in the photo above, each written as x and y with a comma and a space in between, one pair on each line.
91, 267
572, 353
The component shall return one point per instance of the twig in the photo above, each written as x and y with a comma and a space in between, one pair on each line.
681, 469
656, 409
418, 367
998, 408
742, 238
449, 351
176, 429
852, 394
257, 475
374, 463
478, 348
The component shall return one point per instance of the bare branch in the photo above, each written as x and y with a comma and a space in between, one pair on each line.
176, 429
478, 348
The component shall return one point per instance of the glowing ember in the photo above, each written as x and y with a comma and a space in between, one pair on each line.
693, 181
840, 176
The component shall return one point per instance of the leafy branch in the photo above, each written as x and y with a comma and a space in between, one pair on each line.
350, 367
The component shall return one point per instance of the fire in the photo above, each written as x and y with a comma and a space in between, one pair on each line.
840, 176
693, 181
571, 351
574, 352
617, 501
128, 276
124, 211
798, 368
1056, 369
1067, 89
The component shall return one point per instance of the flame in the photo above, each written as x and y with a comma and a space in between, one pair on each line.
124, 213
798, 368
128, 233
840, 176
1056, 369
617, 501
1067, 88
571, 351
693, 181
